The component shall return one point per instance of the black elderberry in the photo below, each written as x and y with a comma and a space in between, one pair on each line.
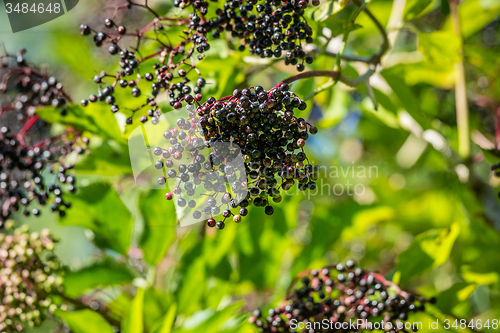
319, 298
85, 30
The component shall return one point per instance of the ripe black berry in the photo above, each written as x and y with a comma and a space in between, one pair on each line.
320, 297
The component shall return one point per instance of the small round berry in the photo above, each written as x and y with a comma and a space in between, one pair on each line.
169, 196
85, 30
136, 92
109, 23
237, 218
211, 223
269, 210
159, 165
220, 225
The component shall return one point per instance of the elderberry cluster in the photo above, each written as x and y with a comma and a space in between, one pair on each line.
169, 69
29, 153
27, 87
256, 147
29, 274
341, 293
269, 28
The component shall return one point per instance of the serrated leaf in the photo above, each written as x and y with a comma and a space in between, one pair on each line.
99, 208
107, 273
85, 321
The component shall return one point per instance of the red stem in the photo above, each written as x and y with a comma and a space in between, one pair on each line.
146, 28
332, 74
20, 136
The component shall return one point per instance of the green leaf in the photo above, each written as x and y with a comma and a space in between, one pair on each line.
156, 304
430, 249
210, 321
440, 47
167, 322
425, 72
108, 159
134, 320
95, 118
79, 59
192, 288
415, 8
159, 225
405, 96
85, 321
99, 208
474, 15
107, 273
327, 9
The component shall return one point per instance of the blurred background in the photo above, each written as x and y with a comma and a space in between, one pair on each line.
394, 194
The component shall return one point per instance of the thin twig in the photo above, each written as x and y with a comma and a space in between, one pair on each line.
333, 74
385, 44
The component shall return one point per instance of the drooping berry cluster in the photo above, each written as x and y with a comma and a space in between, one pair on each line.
269, 28
29, 274
341, 294
169, 69
27, 88
256, 147
28, 151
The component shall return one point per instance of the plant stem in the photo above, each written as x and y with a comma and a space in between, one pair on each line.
375, 59
333, 74
31, 121
347, 31
349, 57
460, 88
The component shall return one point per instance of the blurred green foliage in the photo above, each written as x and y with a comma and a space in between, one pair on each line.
426, 218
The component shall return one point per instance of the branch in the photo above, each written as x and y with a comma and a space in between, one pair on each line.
26, 127
375, 59
349, 57
333, 74
347, 31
